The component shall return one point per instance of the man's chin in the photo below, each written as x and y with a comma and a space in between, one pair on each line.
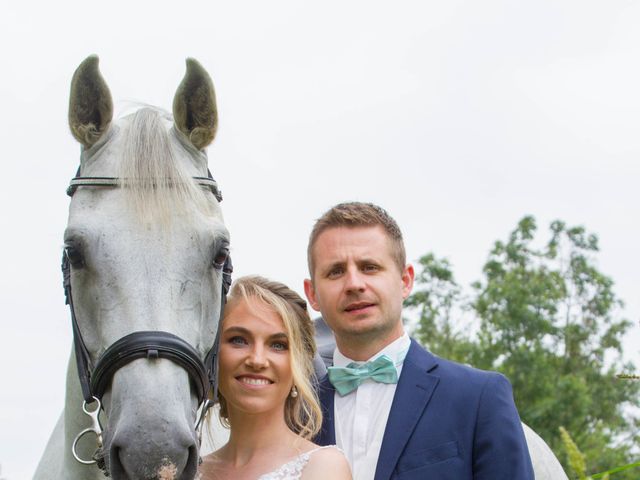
362, 328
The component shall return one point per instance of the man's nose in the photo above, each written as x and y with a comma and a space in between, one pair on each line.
354, 280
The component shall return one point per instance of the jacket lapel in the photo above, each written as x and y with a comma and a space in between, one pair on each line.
414, 390
326, 394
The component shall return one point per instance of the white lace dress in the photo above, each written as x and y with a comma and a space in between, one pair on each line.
292, 470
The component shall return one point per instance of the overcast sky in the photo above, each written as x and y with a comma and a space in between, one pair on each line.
458, 117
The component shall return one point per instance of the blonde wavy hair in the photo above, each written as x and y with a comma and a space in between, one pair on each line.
302, 413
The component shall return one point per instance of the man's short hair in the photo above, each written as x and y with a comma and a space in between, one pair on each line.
359, 214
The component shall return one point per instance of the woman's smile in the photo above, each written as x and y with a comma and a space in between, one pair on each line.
254, 381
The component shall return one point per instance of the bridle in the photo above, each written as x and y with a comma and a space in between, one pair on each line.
95, 379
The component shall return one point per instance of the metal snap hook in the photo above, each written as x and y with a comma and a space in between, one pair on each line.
95, 428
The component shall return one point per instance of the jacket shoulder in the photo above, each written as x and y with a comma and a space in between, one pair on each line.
450, 371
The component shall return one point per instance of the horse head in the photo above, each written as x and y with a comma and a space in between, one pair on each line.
145, 245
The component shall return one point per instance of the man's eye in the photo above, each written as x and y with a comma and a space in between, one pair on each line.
335, 272
237, 341
370, 268
280, 346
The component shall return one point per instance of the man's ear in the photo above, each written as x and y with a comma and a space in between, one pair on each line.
408, 275
310, 292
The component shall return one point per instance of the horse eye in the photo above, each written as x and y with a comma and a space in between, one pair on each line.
221, 257
74, 256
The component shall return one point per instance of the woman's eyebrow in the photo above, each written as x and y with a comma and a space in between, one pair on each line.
237, 329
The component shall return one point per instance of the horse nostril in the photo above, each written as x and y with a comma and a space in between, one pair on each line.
114, 467
191, 468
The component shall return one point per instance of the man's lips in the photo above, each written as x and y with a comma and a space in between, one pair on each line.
358, 307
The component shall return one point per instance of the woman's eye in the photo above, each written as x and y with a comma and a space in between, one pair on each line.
237, 341
74, 256
280, 346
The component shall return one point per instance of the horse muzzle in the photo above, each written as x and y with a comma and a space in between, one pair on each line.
151, 434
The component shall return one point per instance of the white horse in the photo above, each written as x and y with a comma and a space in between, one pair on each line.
545, 464
146, 251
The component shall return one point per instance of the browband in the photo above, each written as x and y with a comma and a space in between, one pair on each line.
76, 182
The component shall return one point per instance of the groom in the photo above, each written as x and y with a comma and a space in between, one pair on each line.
395, 409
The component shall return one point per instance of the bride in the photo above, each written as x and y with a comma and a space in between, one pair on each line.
266, 395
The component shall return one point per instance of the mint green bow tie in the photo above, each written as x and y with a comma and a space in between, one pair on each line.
347, 379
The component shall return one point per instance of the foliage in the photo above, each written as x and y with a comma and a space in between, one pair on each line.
577, 461
546, 317
437, 295
575, 457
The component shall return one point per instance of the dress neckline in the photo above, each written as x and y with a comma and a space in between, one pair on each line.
292, 469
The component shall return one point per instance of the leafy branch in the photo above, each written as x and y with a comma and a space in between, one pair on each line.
577, 460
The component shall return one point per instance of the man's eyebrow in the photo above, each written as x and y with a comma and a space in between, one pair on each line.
367, 260
329, 266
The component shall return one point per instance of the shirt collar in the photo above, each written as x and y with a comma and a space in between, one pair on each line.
396, 351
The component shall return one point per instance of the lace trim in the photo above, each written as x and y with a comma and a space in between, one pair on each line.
292, 470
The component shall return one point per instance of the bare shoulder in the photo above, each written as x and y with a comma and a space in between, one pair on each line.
326, 463
210, 467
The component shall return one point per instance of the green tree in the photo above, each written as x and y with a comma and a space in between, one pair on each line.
546, 317
438, 298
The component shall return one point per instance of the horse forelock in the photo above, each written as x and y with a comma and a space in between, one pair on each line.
153, 172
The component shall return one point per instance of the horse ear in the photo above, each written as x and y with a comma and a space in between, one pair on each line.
90, 104
194, 106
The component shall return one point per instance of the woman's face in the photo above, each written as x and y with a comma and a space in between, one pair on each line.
255, 366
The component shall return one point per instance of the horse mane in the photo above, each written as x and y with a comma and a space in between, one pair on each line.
156, 184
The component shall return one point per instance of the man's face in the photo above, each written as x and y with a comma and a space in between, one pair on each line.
358, 288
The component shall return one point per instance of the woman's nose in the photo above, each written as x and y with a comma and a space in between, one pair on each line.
257, 358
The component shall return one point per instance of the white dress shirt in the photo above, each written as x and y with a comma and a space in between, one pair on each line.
360, 417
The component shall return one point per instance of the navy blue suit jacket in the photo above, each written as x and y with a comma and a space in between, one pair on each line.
447, 421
